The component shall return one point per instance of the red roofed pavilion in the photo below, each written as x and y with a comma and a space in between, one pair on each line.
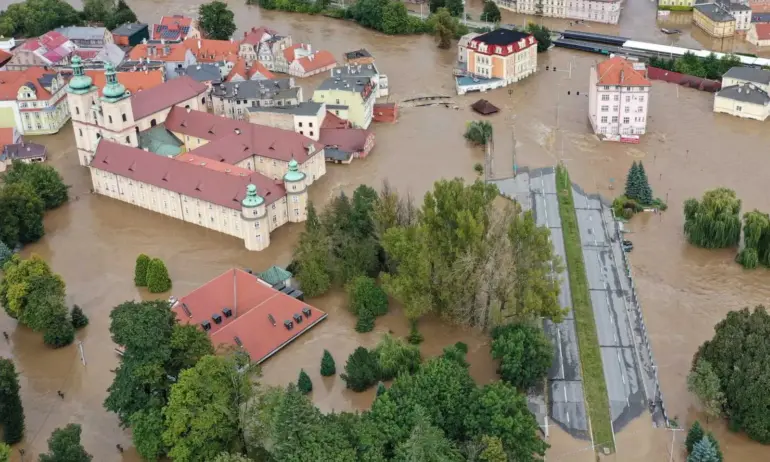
238, 309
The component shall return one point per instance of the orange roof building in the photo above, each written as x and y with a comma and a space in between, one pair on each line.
211, 51
619, 93
239, 310
243, 71
133, 81
37, 99
312, 64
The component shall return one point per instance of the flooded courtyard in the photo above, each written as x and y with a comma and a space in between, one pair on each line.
93, 242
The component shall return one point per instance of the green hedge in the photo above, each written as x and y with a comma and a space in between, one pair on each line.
594, 386
675, 8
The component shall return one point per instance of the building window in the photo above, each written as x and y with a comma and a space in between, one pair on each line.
605, 97
77, 110
310, 124
616, 98
626, 120
604, 119
296, 212
80, 131
125, 119
614, 119
739, 108
295, 199
626, 109
110, 117
641, 99
300, 124
272, 206
128, 140
301, 132
628, 99
311, 133
605, 108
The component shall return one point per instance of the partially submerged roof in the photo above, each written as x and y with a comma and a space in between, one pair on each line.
358, 54
484, 107
258, 312
620, 71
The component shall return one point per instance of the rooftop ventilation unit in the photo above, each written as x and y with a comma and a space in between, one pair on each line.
186, 310
238, 341
217, 318
227, 312
306, 311
288, 324
297, 318
206, 325
271, 319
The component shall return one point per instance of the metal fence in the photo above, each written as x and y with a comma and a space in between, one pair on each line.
685, 80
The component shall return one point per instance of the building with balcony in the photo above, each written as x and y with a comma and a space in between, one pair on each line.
496, 59
619, 93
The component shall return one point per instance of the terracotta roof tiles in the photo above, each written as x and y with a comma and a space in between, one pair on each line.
247, 72
157, 52
620, 71
165, 95
763, 31
11, 81
209, 51
133, 81
318, 60
255, 35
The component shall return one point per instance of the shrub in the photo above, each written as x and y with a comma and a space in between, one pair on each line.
415, 337
328, 368
396, 357
304, 384
157, 277
140, 270
381, 389
364, 293
365, 321
79, 319
457, 353
59, 333
478, 168
361, 370
524, 352
479, 132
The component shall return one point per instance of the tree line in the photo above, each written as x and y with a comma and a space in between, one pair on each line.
710, 67
32, 18
462, 254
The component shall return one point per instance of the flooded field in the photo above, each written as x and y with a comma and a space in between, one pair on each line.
93, 241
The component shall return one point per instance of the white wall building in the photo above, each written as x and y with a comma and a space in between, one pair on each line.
605, 11
744, 93
619, 94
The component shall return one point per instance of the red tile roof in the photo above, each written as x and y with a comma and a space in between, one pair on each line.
763, 31
620, 71
346, 139
232, 141
317, 60
86, 54
133, 81
176, 52
252, 302
201, 161
289, 53
5, 57
6, 136
11, 81
165, 95
247, 72
176, 20
333, 121
182, 177
210, 51
255, 35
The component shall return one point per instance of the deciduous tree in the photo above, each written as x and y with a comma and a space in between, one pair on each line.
122, 14
426, 443
328, 368
491, 12
395, 18
157, 277
542, 34
225, 457
59, 332
524, 352
216, 20
5, 254
492, 450
396, 357
704, 383
147, 433
479, 132
714, 222
140, 270
11, 410
445, 28
22, 212
31, 292
64, 446
365, 322
202, 415
36, 17
5, 453
366, 298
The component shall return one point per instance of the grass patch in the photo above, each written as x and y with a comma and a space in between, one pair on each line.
594, 386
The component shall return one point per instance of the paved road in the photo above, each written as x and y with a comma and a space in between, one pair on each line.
537, 190
468, 22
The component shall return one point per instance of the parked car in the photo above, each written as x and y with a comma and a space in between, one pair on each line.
628, 246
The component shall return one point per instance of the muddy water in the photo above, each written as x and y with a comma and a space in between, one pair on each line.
93, 241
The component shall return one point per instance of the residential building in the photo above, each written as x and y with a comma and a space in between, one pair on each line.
233, 99
314, 63
143, 64
679, 5
342, 145
747, 75
175, 29
759, 6
33, 100
743, 100
370, 71
226, 175
714, 20
212, 51
271, 53
5, 57
498, 58
207, 73
304, 118
740, 11
21, 151
51, 49
245, 70
248, 48
605, 11
175, 56
238, 310
131, 34
351, 99
7, 44
87, 37
134, 82
358, 57
759, 35
462, 46
619, 93
97, 58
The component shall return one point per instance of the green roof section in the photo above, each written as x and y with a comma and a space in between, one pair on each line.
113, 90
160, 141
293, 174
274, 275
252, 199
79, 83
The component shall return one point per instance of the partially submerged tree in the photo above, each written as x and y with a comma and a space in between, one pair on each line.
491, 12
524, 352
479, 132
11, 410
43, 178
140, 270
157, 277
542, 34
703, 451
396, 357
79, 319
22, 211
445, 28
362, 370
328, 368
713, 222
756, 240
64, 446
304, 384
694, 434
704, 383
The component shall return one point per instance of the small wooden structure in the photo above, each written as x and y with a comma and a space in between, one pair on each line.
484, 107
385, 112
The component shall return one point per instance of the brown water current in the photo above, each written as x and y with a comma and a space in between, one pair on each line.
93, 242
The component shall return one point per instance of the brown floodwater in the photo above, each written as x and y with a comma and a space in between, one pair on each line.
92, 242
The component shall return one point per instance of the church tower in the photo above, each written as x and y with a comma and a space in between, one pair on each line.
295, 183
256, 229
81, 97
116, 113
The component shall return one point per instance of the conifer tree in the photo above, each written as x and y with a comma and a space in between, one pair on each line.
60, 332
328, 367
5, 254
79, 319
12, 412
140, 270
365, 321
694, 435
632, 181
381, 388
157, 277
645, 191
304, 384
703, 451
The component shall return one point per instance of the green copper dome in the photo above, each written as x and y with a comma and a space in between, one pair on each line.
293, 174
252, 199
113, 90
79, 83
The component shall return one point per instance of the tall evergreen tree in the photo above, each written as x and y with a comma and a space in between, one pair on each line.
703, 451
304, 384
694, 435
79, 319
328, 368
140, 270
11, 410
645, 191
632, 181
157, 277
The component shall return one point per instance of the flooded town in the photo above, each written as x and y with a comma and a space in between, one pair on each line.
672, 293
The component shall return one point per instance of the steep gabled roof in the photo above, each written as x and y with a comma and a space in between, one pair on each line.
164, 96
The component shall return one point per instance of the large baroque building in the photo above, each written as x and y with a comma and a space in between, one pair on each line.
619, 93
496, 59
606, 11
233, 177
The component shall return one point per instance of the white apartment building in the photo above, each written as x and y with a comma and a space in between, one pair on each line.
604, 11
744, 93
619, 94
